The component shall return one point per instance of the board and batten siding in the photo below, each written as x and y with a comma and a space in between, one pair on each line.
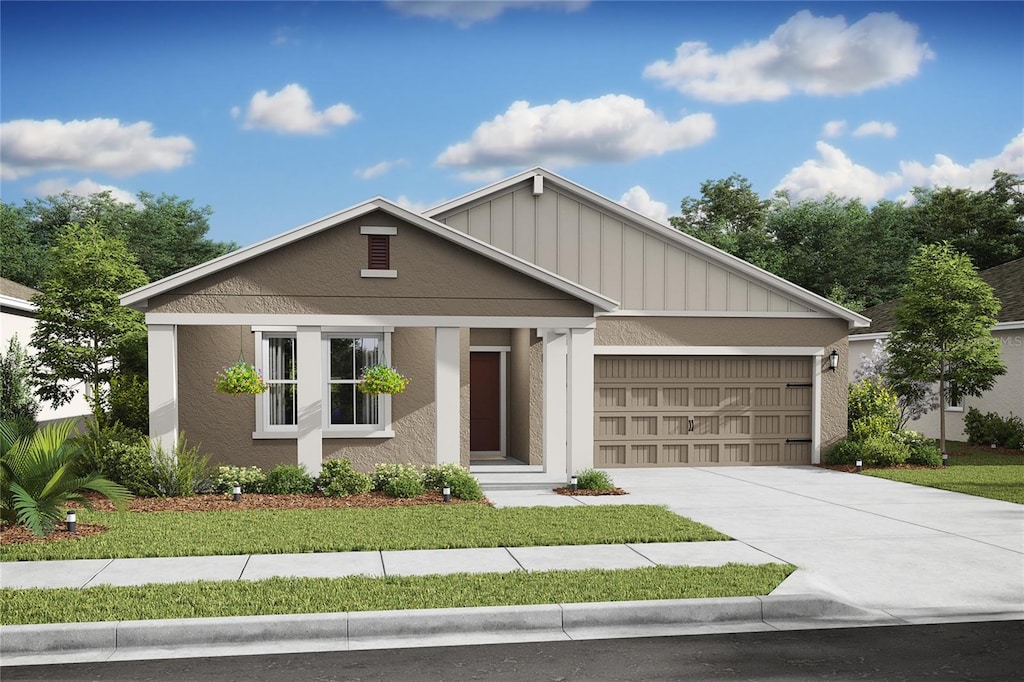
623, 261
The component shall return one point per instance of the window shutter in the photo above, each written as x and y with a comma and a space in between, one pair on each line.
379, 253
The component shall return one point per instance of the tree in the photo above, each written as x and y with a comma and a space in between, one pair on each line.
943, 328
916, 398
82, 331
21, 258
16, 400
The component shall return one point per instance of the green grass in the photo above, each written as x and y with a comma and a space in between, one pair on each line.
971, 470
168, 534
322, 595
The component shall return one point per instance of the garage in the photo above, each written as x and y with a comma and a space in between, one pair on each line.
702, 410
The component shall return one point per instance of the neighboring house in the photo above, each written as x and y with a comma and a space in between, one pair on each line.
1007, 396
18, 318
540, 324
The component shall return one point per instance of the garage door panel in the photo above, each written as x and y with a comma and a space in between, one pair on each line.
701, 411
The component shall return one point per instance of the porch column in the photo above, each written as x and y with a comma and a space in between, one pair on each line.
447, 395
581, 400
309, 399
163, 384
555, 401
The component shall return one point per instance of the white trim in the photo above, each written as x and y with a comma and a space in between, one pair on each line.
309, 440
868, 337
682, 239
263, 429
383, 424
816, 406
580, 404
997, 327
707, 350
379, 274
355, 330
162, 342
490, 349
371, 433
17, 303
447, 395
377, 229
1002, 326
718, 313
139, 298
554, 427
297, 319
502, 352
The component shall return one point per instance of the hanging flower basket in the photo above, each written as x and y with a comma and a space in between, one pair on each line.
382, 379
240, 378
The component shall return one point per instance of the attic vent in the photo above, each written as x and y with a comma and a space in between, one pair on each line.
379, 252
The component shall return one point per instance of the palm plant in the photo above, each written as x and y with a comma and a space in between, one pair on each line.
38, 477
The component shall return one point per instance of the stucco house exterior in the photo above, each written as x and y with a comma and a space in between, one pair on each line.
1007, 396
541, 324
18, 319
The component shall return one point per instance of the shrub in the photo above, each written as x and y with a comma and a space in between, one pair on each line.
183, 472
339, 479
462, 483
398, 480
884, 451
594, 479
288, 479
251, 479
873, 410
846, 451
923, 450
990, 428
129, 464
129, 401
16, 398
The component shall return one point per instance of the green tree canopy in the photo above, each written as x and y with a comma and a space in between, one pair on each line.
82, 331
943, 329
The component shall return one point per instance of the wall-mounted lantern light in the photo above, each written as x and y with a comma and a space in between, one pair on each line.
833, 360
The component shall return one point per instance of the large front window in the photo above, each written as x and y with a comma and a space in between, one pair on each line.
347, 356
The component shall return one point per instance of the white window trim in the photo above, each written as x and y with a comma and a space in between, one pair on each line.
263, 429
382, 429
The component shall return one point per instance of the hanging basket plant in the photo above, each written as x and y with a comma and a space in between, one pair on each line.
240, 378
382, 378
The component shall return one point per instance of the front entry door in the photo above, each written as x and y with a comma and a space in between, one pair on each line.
485, 402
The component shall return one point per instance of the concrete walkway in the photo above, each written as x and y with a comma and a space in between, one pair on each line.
869, 551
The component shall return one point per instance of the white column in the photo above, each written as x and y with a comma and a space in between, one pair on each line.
816, 407
163, 384
447, 395
310, 398
555, 401
581, 400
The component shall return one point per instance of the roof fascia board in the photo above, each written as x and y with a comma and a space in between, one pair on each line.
17, 303
691, 243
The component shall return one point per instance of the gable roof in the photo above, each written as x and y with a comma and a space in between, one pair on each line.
138, 298
680, 240
16, 296
1006, 280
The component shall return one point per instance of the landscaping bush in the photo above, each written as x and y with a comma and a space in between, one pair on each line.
251, 479
398, 480
990, 428
288, 479
129, 464
183, 472
339, 479
884, 451
846, 451
462, 483
129, 401
873, 410
923, 450
593, 479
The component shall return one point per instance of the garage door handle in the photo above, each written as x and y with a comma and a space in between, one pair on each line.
798, 440
799, 385
690, 426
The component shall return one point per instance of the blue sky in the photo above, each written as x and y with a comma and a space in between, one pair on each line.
275, 114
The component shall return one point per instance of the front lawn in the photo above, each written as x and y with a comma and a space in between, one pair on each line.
973, 470
169, 534
323, 595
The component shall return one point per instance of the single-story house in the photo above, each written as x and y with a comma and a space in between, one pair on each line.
540, 324
18, 319
1007, 396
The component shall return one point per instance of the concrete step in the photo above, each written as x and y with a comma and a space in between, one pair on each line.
518, 480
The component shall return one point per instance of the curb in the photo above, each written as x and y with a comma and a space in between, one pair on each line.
198, 637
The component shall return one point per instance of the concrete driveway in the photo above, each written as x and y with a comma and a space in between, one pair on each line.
910, 550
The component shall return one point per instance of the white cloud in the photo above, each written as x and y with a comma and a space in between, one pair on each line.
100, 144
482, 177
834, 129
290, 110
609, 128
379, 169
414, 206
807, 54
944, 172
236, 112
884, 129
464, 13
640, 201
835, 173
82, 188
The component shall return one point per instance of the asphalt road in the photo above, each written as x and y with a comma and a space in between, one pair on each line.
962, 651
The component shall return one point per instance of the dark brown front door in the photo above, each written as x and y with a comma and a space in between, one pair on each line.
484, 402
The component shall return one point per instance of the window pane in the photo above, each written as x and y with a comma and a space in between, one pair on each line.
366, 408
281, 360
281, 411
343, 403
342, 359
369, 354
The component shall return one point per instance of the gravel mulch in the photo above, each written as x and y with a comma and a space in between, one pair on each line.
580, 492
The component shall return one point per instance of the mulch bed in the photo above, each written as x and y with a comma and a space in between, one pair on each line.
580, 492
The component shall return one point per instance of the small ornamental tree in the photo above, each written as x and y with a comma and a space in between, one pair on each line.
82, 330
943, 328
916, 398
16, 400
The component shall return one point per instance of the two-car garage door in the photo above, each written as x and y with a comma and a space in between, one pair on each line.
702, 410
